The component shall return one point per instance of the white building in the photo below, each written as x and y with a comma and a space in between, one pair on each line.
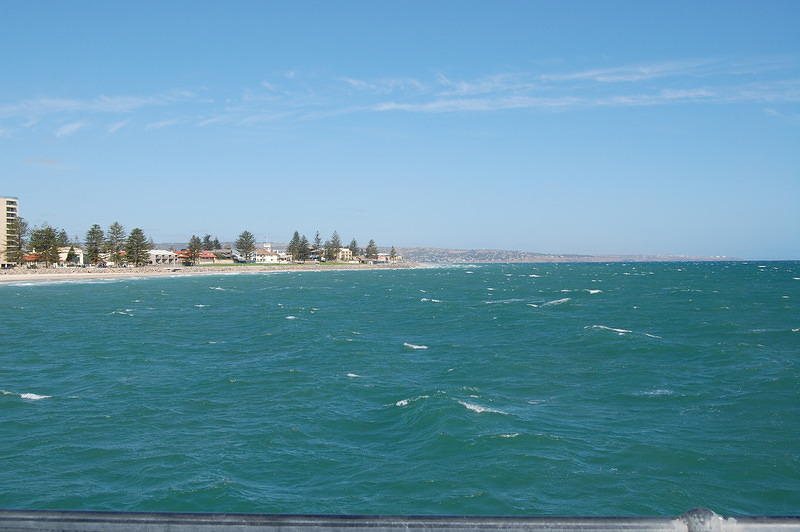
9, 210
63, 253
164, 256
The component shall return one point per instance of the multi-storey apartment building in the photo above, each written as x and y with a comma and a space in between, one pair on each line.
9, 210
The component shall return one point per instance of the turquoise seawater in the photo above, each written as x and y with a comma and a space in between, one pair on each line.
582, 389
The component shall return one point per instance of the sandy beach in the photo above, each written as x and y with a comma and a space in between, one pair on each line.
77, 274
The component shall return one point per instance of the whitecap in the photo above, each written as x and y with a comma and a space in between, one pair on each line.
533, 305
796, 330
536, 401
618, 331
594, 291
216, 288
6, 392
653, 393
509, 435
353, 375
480, 409
534, 275
201, 306
414, 346
405, 402
556, 302
291, 317
490, 289
424, 299
33, 396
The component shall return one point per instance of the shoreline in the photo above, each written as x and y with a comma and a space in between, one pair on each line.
80, 274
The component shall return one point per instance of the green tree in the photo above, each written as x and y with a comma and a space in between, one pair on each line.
115, 243
353, 247
72, 257
62, 238
207, 244
246, 245
372, 250
215, 244
95, 240
17, 240
304, 250
44, 242
393, 254
332, 246
293, 249
136, 248
194, 248
317, 245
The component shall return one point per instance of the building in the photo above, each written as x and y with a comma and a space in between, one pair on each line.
10, 210
63, 253
344, 255
268, 256
163, 256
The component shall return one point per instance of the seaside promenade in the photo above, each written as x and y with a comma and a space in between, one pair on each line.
76, 274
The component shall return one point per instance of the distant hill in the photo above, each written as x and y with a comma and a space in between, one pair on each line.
448, 256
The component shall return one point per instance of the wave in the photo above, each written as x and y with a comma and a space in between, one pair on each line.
291, 317
556, 302
414, 346
406, 402
605, 328
480, 409
28, 396
354, 375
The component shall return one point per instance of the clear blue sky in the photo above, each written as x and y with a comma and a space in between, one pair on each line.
568, 127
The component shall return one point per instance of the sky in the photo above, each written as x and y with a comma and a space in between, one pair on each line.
559, 127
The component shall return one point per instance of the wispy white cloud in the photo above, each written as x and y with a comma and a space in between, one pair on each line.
162, 124
116, 126
69, 129
480, 104
38, 107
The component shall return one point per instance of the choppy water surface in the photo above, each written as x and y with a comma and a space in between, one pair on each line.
623, 389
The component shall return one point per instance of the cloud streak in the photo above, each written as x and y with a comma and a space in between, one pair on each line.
69, 129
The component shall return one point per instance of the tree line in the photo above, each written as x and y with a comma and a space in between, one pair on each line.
114, 245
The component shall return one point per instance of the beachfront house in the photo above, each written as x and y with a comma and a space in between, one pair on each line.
64, 258
163, 256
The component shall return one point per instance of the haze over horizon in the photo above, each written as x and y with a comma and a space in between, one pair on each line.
570, 128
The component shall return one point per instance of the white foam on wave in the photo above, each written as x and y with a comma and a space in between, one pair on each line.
480, 409
123, 313
6, 392
605, 328
655, 393
33, 396
534, 275
291, 317
512, 300
415, 346
556, 302
354, 375
216, 288
406, 402
201, 306
509, 435
796, 330
594, 291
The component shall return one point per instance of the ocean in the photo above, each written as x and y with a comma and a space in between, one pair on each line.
525, 389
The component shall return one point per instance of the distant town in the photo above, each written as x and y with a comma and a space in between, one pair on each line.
46, 246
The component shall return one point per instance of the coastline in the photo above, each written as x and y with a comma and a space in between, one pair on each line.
80, 274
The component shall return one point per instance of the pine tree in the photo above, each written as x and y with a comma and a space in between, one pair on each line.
207, 244
72, 257
293, 249
215, 244
246, 245
304, 249
393, 254
317, 243
372, 250
44, 241
353, 247
136, 248
332, 247
115, 243
62, 239
195, 247
17, 240
94, 243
